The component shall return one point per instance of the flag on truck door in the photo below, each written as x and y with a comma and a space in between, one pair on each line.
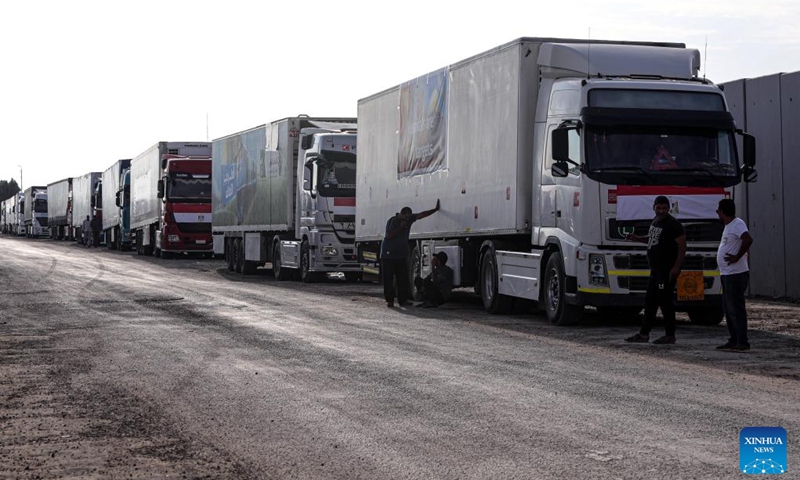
686, 203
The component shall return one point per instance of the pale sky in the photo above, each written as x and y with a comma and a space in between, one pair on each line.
85, 83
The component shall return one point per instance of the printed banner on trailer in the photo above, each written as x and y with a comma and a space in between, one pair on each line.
422, 146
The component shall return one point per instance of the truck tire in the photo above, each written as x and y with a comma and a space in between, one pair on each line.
493, 301
229, 253
281, 274
238, 257
307, 276
415, 267
166, 255
708, 316
353, 277
558, 311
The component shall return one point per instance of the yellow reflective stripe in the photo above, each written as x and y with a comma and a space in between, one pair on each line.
595, 290
371, 270
646, 273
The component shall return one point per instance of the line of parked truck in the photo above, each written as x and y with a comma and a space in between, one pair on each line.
543, 152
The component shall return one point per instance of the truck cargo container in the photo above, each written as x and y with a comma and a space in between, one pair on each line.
116, 214
284, 193
171, 199
544, 154
35, 217
83, 198
59, 209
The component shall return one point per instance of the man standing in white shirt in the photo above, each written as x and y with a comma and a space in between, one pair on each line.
734, 273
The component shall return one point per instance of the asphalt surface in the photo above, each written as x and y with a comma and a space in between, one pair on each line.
118, 366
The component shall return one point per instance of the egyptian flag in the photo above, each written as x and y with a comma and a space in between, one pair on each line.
686, 203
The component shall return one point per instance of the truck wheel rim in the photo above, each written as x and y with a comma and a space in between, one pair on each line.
553, 291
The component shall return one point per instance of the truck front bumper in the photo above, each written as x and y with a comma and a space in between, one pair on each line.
637, 300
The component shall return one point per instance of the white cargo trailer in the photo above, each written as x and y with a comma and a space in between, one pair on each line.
83, 201
112, 210
59, 209
284, 193
531, 147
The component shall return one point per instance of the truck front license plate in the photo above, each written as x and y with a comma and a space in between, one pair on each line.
201, 242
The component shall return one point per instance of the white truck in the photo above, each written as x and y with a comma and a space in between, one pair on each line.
115, 224
83, 202
17, 217
284, 193
545, 153
59, 209
35, 215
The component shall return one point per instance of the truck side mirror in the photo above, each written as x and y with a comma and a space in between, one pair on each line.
307, 142
560, 169
749, 142
160, 189
750, 175
561, 144
116, 200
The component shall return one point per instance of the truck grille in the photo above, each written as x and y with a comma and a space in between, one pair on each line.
194, 227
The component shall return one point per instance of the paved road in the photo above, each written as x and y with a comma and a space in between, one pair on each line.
118, 366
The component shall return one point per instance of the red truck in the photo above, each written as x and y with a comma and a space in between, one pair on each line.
171, 199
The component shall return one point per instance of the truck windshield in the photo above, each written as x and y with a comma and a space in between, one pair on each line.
184, 187
660, 155
40, 206
336, 174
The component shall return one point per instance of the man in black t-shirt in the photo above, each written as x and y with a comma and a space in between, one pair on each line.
394, 254
666, 249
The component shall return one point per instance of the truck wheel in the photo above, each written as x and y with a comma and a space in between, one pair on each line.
280, 273
555, 306
306, 276
229, 253
238, 258
493, 301
416, 271
166, 255
353, 277
708, 316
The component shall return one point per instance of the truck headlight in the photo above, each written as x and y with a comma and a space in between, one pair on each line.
330, 251
174, 239
597, 270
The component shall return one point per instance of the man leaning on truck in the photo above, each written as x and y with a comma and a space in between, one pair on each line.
394, 254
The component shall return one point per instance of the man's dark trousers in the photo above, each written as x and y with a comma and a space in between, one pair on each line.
660, 290
395, 271
733, 290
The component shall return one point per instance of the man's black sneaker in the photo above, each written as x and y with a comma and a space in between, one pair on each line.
390, 304
726, 346
638, 338
665, 340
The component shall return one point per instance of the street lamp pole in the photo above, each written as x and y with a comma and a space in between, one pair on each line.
20, 176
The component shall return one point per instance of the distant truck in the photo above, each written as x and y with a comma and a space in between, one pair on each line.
17, 220
35, 212
59, 209
115, 205
83, 202
545, 153
3, 216
285, 193
170, 186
